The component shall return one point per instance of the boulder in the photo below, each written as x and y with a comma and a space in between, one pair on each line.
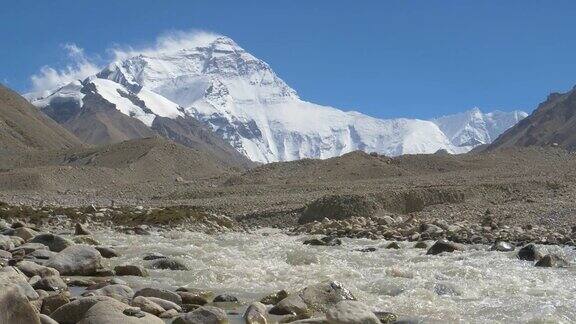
76, 260
73, 312
147, 305
106, 252
420, 245
131, 270
203, 315
530, 252
81, 230
50, 283
166, 304
119, 292
6, 243
325, 241
315, 298
168, 264
15, 307
52, 302
171, 313
192, 298
339, 207
5, 255
351, 312
552, 261
112, 311
154, 256
45, 319
444, 245
32, 269
25, 233
393, 245
160, 293
85, 239
255, 314
225, 298
54, 243
274, 298
42, 254
11, 276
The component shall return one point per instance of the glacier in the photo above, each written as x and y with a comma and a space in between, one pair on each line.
243, 101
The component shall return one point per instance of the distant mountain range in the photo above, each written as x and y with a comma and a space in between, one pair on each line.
213, 86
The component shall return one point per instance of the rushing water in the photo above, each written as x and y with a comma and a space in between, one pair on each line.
476, 286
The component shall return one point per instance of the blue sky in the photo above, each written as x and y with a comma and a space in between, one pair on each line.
384, 58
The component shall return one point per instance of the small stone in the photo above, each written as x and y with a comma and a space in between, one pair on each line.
255, 314
386, 318
85, 239
368, 249
274, 298
225, 298
191, 298
169, 264
130, 270
160, 293
203, 315
420, 245
134, 312
171, 313
154, 256
502, 247
529, 252
147, 305
107, 252
393, 245
325, 241
552, 261
25, 233
351, 312
444, 245
80, 230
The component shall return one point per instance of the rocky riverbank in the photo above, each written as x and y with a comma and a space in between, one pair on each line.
56, 269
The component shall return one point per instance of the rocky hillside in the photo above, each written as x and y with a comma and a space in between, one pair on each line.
24, 128
552, 123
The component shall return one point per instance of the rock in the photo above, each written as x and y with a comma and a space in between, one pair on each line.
169, 314
76, 260
5, 255
315, 298
74, 311
131, 270
106, 252
368, 249
274, 298
15, 307
25, 233
160, 293
6, 243
121, 293
45, 319
50, 283
104, 273
502, 247
420, 245
30, 248
141, 230
191, 298
166, 304
351, 312
78, 282
112, 311
386, 318
339, 207
53, 302
42, 254
530, 252
553, 261
393, 245
317, 320
225, 298
325, 241
11, 276
154, 256
203, 315
255, 314
80, 230
85, 239
55, 243
18, 224
147, 305
168, 263
444, 245
32, 269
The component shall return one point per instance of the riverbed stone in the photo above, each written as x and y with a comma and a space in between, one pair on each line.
113, 311
393, 245
79, 229
25, 233
54, 242
29, 248
121, 293
351, 312
552, 261
45, 319
274, 298
50, 283
324, 241
42, 254
73, 312
166, 304
203, 315
530, 252
106, 251
192, 298
168, 264
154, 256
255, 314
420, 245
160, 293
76, 260
15, 307
31, 269
444, 245
52, 302
131, 270
85, 239
6, 243
225, 298
315, 298
147, 305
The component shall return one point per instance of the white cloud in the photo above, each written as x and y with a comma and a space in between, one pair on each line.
78, 68
167, 42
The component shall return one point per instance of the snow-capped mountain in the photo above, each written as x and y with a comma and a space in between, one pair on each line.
243, 101
473, 127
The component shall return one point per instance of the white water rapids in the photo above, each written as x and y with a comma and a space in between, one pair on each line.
476, 286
